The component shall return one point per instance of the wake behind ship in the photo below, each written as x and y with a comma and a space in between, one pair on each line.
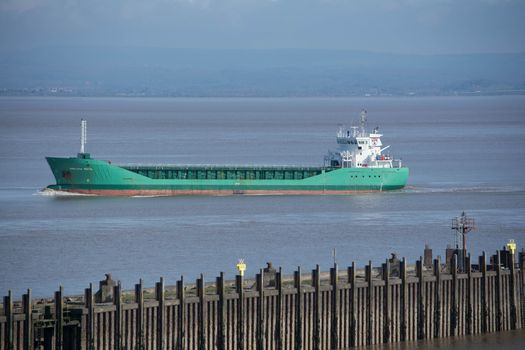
358, 165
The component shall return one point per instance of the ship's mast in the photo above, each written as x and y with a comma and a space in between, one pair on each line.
83, 134
363, 122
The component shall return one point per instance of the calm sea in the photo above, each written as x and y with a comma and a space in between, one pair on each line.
464, 153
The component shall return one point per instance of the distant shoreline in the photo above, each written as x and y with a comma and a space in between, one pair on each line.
9, 93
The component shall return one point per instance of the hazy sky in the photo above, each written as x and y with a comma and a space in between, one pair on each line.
402, 26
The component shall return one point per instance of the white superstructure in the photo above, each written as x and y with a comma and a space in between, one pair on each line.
359, 149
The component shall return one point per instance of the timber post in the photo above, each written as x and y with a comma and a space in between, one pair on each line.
298, 322
59, 315
387, 320
117, 301
334, 303
420, 300
514, 320
90, 319
181, 316
161, 313
221, 331
454, 297
139, 299
260, 333
521, 294
353, 304
369, 304
28, 323
316, 281
499, 294
202, 309
484, 293
437, 296
240, 312
279, 315
404, 300
470, 297
8, 310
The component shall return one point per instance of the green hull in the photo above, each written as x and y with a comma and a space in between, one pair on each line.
91, 176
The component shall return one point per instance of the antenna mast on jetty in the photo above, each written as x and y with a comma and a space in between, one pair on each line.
463, 225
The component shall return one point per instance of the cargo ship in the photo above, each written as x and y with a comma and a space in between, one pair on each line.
357, 165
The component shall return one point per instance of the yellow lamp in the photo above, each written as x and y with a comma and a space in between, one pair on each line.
241, 266
511, 246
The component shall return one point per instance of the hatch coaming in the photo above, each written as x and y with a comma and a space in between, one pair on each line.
210, 172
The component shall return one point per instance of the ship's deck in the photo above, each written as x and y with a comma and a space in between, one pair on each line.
227, 172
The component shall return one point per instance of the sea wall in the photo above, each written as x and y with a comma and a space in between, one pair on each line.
343, 308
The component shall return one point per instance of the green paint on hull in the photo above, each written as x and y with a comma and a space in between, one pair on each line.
86, 175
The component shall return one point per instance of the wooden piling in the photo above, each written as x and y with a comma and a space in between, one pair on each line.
117, 301
90, 319
370, 305
259, 329
203, 312
378, 309
499, 294
353, 304
514, 319
484, 293
28, 322
470, 297
8, 311
316, 281
387, 302
298, 322
404, 300
279, 310
181, 315
240, 312
420, 300
521, 292
437, 299
59, 315
139, 299
221, 313
334, 309
161, 314
454, 297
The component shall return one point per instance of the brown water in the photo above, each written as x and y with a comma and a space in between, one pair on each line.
511, 340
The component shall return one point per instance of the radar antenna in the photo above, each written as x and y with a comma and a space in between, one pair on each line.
83, 134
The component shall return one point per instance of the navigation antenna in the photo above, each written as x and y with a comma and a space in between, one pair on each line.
463, 225
363, 121
83, 134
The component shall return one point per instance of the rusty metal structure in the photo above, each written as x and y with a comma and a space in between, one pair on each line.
463, 225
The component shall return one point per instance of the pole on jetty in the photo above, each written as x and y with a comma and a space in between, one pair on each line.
463, 225
298, 322
8, 311
28, 323
221, 317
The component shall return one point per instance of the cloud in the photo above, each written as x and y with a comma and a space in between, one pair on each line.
21, 5
410, 26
